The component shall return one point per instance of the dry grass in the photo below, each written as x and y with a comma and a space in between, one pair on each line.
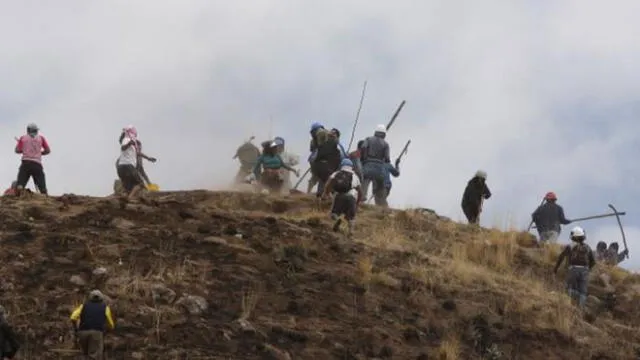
449, 348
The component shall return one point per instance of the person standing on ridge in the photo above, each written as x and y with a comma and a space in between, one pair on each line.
354, 156
32, 146
271, 164
326, 158
247, 154
139, 157
289, 159
9, 345
474, 195
581, 261
375, 154
601, 251
390, 170
127, 163
548, 217
346, 185
90, 321
318, 136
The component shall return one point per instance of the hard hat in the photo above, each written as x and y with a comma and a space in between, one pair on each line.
96, 294
381, 128
32, 127
346, 162
577, 232
481, 174
316, 126
551, 196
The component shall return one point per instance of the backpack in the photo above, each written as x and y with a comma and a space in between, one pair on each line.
328, 151
342, 181
579, 255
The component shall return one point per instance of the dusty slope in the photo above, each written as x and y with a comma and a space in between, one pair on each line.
409, 286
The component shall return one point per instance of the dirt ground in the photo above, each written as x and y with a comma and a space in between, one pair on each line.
230, 275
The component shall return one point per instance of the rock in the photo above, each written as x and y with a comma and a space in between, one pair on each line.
274, 353
137, 355
99, 271
77, 280
63, 260
195, 305
215, 240
162, 294
122, 223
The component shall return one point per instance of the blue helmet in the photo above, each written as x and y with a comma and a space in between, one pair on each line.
278, 140
315, 126
346, 162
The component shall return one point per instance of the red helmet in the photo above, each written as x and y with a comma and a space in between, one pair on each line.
551, 196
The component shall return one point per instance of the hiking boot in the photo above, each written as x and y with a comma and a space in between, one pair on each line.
336, 225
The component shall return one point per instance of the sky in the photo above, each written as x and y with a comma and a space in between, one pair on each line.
543, 95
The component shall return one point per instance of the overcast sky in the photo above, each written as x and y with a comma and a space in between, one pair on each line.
543, 95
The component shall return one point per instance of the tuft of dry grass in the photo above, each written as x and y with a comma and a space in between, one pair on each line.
449, 348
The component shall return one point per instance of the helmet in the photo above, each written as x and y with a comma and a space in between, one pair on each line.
577, 232
481, 174
32, 127
278, 140
381, 129
551, 196
346, 162
315, 126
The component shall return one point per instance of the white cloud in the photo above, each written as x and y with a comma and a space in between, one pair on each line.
508, 87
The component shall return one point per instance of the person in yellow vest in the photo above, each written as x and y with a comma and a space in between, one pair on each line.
90, 320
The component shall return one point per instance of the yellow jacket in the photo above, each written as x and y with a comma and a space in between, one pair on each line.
75, 316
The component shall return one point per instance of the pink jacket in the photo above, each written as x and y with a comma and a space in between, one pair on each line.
31, 147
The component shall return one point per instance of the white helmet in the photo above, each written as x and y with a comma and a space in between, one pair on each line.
577, 232
481, 174
381, 129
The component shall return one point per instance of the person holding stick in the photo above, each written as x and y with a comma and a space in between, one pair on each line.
548, 217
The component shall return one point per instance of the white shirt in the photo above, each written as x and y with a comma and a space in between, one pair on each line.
128, 156
355, 181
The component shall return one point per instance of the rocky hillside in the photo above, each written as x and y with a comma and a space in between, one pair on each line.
214, 275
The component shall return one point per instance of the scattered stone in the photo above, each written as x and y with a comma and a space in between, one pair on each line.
77, 280
120, 223
63, 260
215, 240
162, 294
195, 305
137, 355
99, 271
274, 353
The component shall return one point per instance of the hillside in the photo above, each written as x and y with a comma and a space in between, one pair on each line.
215, 275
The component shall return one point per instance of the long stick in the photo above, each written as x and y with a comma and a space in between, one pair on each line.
595, 217
531, 223
355, 123
624, 238
302, 178
395, 115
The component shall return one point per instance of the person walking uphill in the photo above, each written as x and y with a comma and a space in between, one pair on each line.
580, 260
326, 157
346, 185
474, 195
127, 164
32, 146
90, 320
375, 154
548, 217
9, 345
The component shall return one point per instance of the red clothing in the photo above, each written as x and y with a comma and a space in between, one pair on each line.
10, 191
354, 154
31, 147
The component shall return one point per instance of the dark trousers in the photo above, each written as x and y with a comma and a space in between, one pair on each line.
91, 343
472, 213
344, 204
31, 169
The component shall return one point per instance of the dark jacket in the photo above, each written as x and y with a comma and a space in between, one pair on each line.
549, 216
375, 149
93, 316
590, 261
474, 192
9, 345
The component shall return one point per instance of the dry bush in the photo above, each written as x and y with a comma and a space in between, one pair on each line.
449, 348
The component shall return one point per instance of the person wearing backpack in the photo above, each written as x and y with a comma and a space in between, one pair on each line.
581, 260
327, 160
345, 184
375, 154
548, 217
